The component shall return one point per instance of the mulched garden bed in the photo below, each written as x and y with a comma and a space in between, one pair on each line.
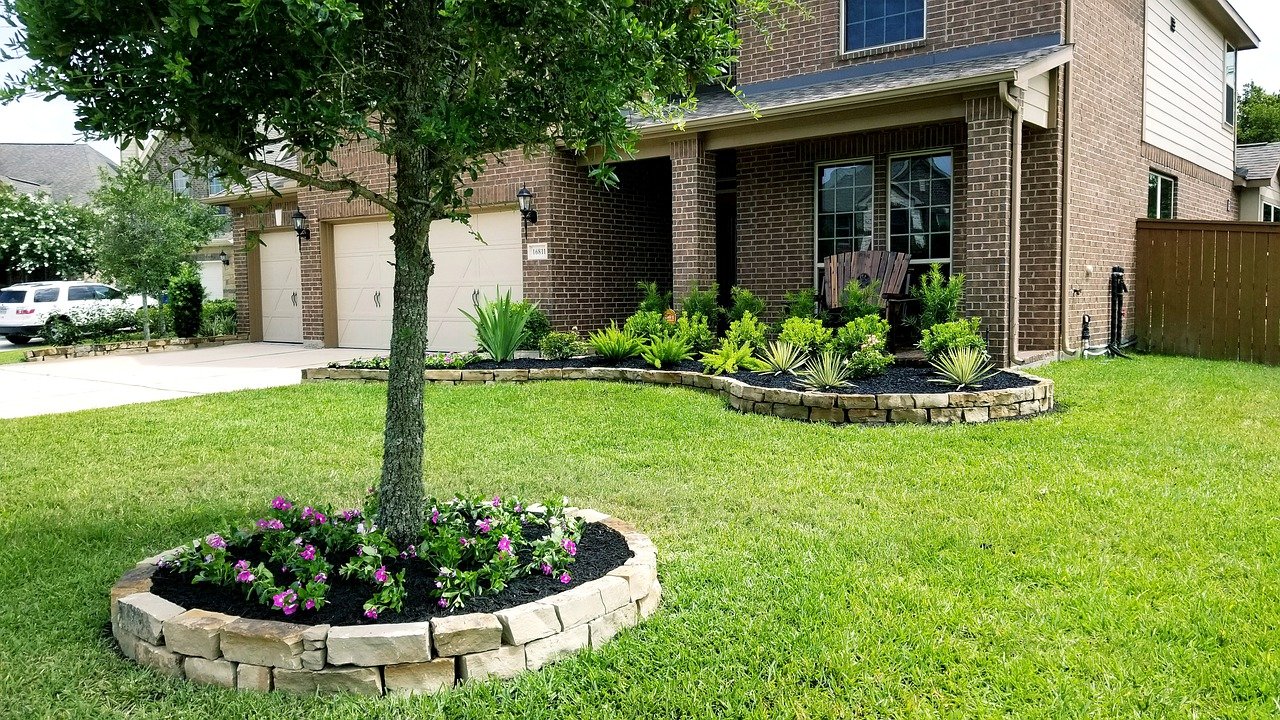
899, 378
601, 549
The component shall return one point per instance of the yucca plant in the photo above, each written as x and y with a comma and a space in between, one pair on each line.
663, 352
613, 344
964, 367
728, 359
781, 357
500, 324
827, 371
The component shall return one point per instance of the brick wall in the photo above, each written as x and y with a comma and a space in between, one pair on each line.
812, 44
693, 215
990, 193
1041, 242
255, 218
776, 201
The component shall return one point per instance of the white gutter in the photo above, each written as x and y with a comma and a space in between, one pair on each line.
1015, 223
1064, 288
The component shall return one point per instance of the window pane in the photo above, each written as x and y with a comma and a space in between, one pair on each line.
920, 208
80, 293
899, 221
1167, 186
13, 296
1153, 196
844, 198
47, 295
870, 23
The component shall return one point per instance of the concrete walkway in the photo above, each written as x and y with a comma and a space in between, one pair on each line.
43, 388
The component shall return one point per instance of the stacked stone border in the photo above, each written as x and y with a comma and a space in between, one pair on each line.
421, 657
131, 347
978, 406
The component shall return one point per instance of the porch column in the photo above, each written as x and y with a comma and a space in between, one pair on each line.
693, 215
987, 235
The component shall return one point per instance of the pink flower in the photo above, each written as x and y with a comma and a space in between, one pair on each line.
439, 585
462, 541
485, 525
435, 516
546, 569
308, 553
371, 613
242, 565
290, 609
565, 578
216, 541
504, 544
310, 604
283, 599
244, 576
313, 516
497, 501
281, 504
381, 575
442, 602
349, 515
519, 508
321, 578
569, 546
270, 524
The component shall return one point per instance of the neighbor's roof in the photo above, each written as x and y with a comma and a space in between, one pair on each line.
60, 170
950, 70
262, 183
1259, 161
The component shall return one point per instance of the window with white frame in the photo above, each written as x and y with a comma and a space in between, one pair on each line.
920, 205
1162, 193
1270, 213
874, 23
845, 209
1232, 88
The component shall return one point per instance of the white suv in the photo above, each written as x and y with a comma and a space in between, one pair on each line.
25, 308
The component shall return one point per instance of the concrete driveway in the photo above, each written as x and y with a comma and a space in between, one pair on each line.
42, 388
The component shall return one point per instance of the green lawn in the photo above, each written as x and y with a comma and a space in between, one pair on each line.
1119, 558
12, 356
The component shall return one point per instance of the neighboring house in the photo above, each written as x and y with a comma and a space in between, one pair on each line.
1258, 167
61, 171
1016, 141
163, 159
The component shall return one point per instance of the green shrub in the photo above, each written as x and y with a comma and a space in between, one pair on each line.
704, 303
647, 324
940, 338
781, 357
802, 303
218, 317
743, 301
747, 330
965, 367
500, 325
161, 319
83, 324
537, 325
186, 298
868, 330
664, 352
614, 345
729, 358
869, 361
449, 360
696, 331
652, 299
827, 371
939, 297
808, 334
561, 345
857, 301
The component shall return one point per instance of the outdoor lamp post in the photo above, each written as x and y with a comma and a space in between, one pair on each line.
527, 214
300, 227
224, 258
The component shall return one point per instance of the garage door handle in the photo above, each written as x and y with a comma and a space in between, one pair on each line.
295, 299
377, 298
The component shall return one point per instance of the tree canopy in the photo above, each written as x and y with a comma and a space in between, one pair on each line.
439, 86
44, 240
1259, 120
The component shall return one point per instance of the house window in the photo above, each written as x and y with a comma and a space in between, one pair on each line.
844, 209
920, 208
873, 23
215, 183
181, 183
1162, 192
1270, 213
1229, 74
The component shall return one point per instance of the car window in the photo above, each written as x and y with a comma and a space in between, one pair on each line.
47, 295
13, 296
80, 292
105, 292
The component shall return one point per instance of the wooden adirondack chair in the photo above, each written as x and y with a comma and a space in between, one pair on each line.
865, 267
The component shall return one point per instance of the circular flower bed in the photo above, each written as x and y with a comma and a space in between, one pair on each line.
308, 599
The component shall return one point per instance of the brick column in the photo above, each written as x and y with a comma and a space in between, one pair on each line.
693, 215
989, 197
311, 270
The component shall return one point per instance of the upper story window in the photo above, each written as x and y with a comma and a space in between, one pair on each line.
215, 183
1162, 192
181, 183
1270, 213
1232, 88
874, 23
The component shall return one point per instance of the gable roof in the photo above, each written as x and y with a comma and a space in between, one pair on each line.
61, 170
1258, 161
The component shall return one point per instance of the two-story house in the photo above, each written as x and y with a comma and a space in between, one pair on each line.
1016, 141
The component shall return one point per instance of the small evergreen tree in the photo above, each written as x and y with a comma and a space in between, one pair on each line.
186, 298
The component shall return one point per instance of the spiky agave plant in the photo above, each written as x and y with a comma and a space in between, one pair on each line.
827, 371
500, 324
964, 367
781, 357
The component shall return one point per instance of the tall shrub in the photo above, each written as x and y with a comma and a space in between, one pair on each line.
939, 297
186, 297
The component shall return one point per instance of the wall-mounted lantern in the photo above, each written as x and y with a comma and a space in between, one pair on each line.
226, 260
300, 227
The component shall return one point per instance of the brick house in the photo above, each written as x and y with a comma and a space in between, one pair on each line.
1016, 141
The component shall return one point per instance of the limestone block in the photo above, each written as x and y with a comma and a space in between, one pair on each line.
373, 645
908, 416
160, 659
860, 402
648, 605
867, 415
416, 678
946, 415
577, 606
548, 650
313, 638
196, 633
263, 642
359, 680
143, 615
531, 621
210, 672
977, 414
465, 634
931, 400
603, 629
640, 579
504, 663
255, 678
892, 401
826, 414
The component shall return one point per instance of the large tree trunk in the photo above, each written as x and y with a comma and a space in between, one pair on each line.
400, 491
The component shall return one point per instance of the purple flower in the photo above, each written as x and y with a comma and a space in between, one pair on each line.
321, 578
519, 508
462, 541
371, 613
381, 574
313, 516
442, 602
216, 541
439, 585
270, 524
497, 501
283, 599
244, 576
546, 569
485, 525
297, 540
565, 578
242, 565
290, 609
310, 604
504, 544
435, 516
569, 546
349, 515
281, 504
308, 553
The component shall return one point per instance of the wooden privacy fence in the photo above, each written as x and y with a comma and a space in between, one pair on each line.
1209, 289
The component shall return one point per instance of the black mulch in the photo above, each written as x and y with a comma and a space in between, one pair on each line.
602, 549
899, 378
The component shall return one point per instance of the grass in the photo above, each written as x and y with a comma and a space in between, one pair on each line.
1120, 558
8, 357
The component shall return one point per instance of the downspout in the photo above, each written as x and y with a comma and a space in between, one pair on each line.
1064, 289
1015, 223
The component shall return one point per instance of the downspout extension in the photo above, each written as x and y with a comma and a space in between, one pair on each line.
1015, 221
1064, 288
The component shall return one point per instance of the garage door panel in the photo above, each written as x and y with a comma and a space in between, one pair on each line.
280, 287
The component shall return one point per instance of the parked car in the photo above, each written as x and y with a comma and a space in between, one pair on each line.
27, 308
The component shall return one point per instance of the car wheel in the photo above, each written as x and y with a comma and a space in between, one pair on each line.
18, 339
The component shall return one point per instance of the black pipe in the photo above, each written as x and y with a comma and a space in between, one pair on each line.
1118, 289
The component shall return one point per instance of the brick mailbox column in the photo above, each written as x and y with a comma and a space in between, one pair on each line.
989, 197
693, 215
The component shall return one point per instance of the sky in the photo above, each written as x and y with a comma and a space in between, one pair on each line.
35, 120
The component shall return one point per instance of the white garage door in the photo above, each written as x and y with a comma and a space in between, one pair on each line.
363, 278
211, 279
278, 262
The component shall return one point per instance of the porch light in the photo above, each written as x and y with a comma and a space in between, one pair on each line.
525, 198
300, 227
224, 258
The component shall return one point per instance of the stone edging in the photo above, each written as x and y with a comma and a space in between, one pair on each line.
939, 408
422, 657
63, 352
